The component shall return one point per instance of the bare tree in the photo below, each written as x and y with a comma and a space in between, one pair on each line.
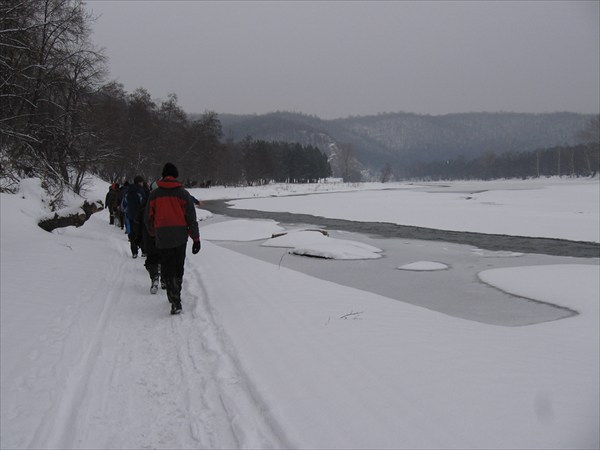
48, 68
386, 173
344, 163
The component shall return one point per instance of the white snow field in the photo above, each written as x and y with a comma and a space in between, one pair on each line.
268, 357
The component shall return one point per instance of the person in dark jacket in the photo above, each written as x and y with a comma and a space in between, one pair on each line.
115, 205
122, 193
133, 200
171, 219
146, 243
110, 202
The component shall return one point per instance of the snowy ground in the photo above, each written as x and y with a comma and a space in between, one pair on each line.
266, 356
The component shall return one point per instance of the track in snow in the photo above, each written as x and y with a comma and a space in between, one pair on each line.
146, 379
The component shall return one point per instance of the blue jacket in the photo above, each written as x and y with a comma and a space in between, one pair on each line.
134, 198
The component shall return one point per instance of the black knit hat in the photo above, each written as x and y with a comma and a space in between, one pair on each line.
169, 170
138, 179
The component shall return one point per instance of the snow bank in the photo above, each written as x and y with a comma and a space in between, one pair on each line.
575, 286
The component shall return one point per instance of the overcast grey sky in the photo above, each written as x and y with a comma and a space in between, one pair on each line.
336, 59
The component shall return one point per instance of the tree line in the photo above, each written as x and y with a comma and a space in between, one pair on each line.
283, 162
61, 120
579, 160
141, 133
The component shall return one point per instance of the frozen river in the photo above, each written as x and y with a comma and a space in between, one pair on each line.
456, 291
558, 247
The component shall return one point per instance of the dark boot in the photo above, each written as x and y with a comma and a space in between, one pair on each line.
174, 294
154, 286
152, 269
178, 284
134, 247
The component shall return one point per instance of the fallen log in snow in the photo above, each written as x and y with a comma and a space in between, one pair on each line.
71, 216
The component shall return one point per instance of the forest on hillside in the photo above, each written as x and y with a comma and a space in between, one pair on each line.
409, 145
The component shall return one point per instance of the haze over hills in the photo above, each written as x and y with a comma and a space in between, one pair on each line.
405, 138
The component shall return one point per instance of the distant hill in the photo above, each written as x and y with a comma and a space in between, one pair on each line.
405, 138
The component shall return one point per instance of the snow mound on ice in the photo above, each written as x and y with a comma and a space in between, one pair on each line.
316, 244
423, 266
203, 214
296, 238
338, 249
496, 254
241, 230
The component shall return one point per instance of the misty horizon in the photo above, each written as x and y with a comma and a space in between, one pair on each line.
342, 59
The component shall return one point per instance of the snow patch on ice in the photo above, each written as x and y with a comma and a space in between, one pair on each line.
203, 214
423, 266
296, 238
316, 244
338, 249
496, 254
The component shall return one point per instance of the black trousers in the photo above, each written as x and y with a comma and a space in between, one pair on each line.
152, 265
172, 261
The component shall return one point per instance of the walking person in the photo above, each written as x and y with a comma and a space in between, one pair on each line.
171, 218
146, 243
109, 201
122, 193
133, 200
115, 205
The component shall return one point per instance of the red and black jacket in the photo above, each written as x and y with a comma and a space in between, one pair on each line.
171, 216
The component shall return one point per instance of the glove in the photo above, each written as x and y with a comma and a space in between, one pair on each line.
196, 247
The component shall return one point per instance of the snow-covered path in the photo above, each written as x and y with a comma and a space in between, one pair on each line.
115, 370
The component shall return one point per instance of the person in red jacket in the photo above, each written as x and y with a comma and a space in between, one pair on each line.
171, 219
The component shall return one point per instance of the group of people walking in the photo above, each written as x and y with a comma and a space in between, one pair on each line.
158, 220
